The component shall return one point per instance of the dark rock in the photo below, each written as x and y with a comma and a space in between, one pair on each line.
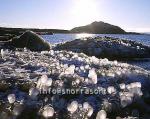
99, 28
31, 41
106, 47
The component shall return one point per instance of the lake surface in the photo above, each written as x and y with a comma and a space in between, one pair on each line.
144, 39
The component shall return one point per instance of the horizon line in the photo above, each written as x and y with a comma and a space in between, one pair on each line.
138, 30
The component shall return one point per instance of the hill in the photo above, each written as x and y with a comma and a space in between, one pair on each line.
98, 28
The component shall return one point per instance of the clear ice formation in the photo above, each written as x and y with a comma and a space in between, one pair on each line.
48, 111
23, 74
101, 114
11, 98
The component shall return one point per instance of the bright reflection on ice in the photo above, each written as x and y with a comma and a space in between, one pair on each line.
92, 75
85, 105
70, 70
90, 112
11, 98
72, 107
101, 114
48, 111
2, 53
83, 35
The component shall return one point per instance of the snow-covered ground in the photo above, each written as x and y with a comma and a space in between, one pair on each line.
105, 88
144, 39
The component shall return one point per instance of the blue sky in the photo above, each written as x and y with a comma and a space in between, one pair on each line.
131, 15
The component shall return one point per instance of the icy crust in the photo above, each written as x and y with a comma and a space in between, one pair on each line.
125, 91
107, 47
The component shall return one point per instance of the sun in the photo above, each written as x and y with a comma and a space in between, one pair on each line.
85, 11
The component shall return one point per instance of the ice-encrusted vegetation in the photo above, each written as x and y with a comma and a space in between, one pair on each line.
24, 74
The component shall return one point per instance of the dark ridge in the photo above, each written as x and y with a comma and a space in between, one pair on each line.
19, 31
99, 28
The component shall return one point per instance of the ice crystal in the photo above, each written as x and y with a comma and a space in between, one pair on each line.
49, 82
92, 75
122, 86
43, 79
90, 112
48, 111
85, 105
33, 92
72, 107
111, 90
11, 98
125, 100
2, 53
70, 70
101, 114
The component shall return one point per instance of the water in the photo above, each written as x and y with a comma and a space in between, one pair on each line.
144, 39
58, 38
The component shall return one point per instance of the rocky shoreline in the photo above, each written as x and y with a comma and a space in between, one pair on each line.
107, 47
124, 89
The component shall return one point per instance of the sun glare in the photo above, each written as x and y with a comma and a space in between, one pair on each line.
83, 35
85, 11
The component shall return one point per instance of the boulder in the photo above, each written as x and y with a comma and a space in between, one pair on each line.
31, 41
106, 47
